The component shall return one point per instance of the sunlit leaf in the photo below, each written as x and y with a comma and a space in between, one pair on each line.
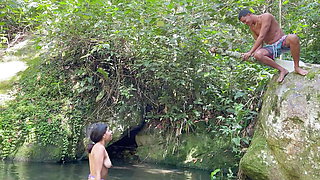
103, 72
100, 96
160, 23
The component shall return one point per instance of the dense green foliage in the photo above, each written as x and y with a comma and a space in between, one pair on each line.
16, 18
307, 28
47, 110
109, 58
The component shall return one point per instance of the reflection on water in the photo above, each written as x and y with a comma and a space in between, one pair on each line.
79, 171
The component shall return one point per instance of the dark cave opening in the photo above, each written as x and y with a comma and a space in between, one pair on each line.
125, 147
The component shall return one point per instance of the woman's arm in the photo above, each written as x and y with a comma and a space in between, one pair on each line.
107, 162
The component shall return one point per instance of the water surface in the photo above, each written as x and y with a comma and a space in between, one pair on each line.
79, 171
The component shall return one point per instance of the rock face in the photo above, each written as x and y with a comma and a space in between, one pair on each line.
286, 143
31, 152
200, 151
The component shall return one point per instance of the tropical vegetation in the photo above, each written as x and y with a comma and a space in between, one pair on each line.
109, 59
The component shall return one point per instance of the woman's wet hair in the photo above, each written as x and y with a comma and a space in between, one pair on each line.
96, 134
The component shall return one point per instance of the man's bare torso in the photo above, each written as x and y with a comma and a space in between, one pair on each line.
274, 33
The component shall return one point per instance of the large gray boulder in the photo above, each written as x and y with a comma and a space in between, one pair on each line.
286, 143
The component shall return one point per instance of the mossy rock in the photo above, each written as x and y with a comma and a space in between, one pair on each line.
200, 151
286, 141
37, 153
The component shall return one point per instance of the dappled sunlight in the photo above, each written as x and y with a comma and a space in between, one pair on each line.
162, 171
167, 171
10, 69
12, 61
190, 157
157, 170
8, 58
18, 46
147, 69
79, 170
5, 97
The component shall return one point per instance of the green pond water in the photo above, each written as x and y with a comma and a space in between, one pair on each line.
79, 171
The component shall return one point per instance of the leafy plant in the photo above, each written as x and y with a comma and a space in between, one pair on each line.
214, 173
107, 59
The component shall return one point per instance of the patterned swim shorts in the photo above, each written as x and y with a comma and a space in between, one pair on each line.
277, 48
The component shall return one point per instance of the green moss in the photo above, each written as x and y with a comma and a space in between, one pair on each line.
27, 54
202, 151
37, 153
287, 93
276, 147
5, 86
196, 151
296, 120
311, 75
308, 97
251, 163
150, 147
277, 157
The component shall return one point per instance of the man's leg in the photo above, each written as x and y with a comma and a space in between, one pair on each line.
292, 41
262, 56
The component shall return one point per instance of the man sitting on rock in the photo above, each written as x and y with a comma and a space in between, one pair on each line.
266, 29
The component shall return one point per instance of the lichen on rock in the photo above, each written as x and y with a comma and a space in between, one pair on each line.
286, 143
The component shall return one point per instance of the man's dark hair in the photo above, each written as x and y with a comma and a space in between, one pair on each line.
243, 12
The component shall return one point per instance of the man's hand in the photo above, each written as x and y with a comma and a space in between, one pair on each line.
245, 56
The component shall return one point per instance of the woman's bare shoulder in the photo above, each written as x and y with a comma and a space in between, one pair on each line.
98, 148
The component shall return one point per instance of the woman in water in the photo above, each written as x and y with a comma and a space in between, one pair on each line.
99, 160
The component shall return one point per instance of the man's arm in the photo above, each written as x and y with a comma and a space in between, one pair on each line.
265, 26
255, 37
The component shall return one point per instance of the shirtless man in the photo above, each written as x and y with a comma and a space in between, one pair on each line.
99, 160
265, 29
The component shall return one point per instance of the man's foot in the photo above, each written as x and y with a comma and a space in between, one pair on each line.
282, 75
300, 71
